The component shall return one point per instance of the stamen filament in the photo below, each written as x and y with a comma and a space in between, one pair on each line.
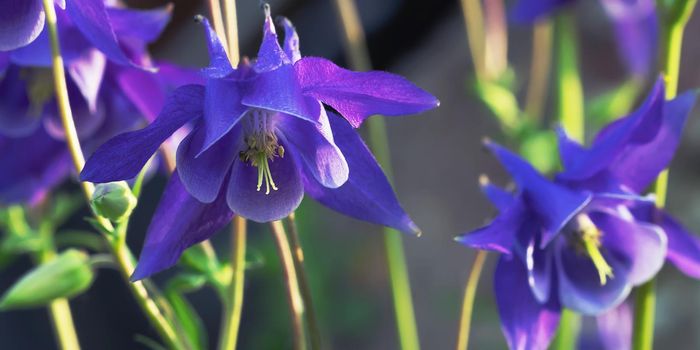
591, 241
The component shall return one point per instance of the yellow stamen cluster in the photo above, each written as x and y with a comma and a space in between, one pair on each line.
262, 146
590, 236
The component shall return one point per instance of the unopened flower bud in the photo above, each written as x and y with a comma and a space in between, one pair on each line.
113, 200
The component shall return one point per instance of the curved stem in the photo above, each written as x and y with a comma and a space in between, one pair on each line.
468, 302
296, 303
673, 21
311, 322
234, 299
356, 49
119, 248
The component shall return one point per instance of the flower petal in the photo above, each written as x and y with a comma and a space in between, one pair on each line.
526, 323
555, 204
222, 110
501, 234
639, 127
636, 31
20, 23
219, 64
278, 90
539, 264
683, 246
291, 40
499, 197
315, 147
615, 328
145, 25
17, 116
270, 55
179, 222
123, 156
203, 175
367, 194
579, 283
642, 245
87, 73
32, 166
358, 95
245, 200
91, 18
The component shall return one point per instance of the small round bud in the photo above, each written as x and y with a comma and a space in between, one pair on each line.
113, 200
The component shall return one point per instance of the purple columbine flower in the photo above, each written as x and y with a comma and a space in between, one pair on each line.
585, 238
261, 139
107, 95
635, 24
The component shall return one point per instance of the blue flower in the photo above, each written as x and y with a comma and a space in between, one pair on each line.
261, 139
635, 24
585, 238
107, 97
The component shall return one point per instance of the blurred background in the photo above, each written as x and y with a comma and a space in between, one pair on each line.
437, 160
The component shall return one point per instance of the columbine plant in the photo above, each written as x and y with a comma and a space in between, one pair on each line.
583, 239
261, 139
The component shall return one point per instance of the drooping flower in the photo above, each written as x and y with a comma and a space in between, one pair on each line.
583, 239
634, 21
261, 139
106, 95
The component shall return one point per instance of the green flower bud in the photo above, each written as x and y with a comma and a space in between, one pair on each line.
113, 200
63, 277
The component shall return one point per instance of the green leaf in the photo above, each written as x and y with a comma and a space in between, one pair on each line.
63, 277
188, 319
502, 103
22, 244
200, 259
540, 149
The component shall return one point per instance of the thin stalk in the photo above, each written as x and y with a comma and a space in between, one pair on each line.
59, 309
231, 31
120, 251
311, 322
296, 302
495, 38
473, 15
218, 19
358, 56
569, 89
468, 303
673, 20
234, 299
539, 70
571, 117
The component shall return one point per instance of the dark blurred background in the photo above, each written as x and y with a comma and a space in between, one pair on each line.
437, 160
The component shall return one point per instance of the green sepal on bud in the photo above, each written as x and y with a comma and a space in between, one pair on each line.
66, 276
113, 200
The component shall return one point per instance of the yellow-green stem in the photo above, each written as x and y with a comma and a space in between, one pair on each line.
231, 31
358, 56
311, 323
540, 66
567, 334
234, 300
474, 24
673, 19
468, 302
296, 302
218, 20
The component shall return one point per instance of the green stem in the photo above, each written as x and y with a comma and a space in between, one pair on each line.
356, 49
571, 116
296, 302
468, 303
311, 322
567, 335
540, 66
234, 298
673, 19
569, 89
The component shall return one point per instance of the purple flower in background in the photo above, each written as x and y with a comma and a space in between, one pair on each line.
585, 238
261, 139
635, 25
107, 96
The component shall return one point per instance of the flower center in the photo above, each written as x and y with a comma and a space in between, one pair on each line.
262, 146
589, 236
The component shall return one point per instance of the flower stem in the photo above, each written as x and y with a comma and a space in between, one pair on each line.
673, 19
231, 31
473, 15
311, 322
571, 117
539, 70
234, 299
358, 56
118, 245
296, 302
468, 303
570, 92
218, 19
